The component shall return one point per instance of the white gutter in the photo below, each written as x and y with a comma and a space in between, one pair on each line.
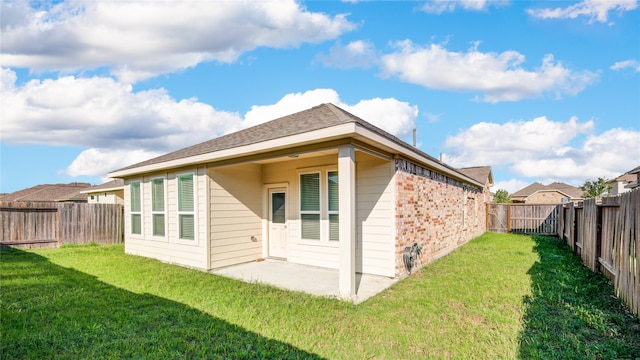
102, 190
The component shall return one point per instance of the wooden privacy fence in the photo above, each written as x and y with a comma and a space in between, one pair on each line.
50, 224
523, 218
605, 235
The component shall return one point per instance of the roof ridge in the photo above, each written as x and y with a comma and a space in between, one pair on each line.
342, 114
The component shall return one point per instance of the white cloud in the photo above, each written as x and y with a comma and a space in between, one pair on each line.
7, 79
511, 185
499, 76
138, 40
596, 10
119, 127
633, 64
433, 118
394, 116
289, 104
541, 148
98, 162
356, 54
441, 6
100, 112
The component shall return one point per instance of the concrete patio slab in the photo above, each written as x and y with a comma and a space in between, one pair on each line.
308, 279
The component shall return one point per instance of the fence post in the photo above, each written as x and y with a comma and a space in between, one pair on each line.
598, 245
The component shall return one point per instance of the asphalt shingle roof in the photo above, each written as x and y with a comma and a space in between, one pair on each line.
116, 183
316, 118
574, 192
481, 174
49, 192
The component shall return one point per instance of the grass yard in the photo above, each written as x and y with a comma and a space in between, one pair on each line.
500, 296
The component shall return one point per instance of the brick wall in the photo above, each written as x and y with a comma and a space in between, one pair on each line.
435, 211
546, 197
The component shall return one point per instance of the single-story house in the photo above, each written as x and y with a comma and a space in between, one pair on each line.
71, 192
111, 192
636, 172
554, 193
625, 182
320, 187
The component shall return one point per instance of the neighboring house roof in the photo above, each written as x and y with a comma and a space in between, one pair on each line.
625, 178
574, 192
321, 123
49, 192
481, 174
113, 185
571, 191
629, 179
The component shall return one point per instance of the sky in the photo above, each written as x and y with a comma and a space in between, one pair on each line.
540, 91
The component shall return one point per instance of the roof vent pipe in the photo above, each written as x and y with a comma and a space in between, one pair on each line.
414, 137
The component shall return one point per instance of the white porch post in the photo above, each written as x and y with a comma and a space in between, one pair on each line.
347, 221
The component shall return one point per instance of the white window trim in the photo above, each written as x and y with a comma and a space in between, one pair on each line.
324, 205
140, 186
164, 212
194, 212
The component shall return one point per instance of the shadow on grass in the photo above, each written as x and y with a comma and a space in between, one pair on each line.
573, 313
50, 311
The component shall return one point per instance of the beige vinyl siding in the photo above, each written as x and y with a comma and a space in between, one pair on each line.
236, 214
169, 248
374, 216
309, 252
108, 197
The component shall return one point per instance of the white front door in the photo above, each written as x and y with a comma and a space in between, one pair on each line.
278, 223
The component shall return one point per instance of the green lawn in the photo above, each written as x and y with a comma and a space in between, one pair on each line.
500, 296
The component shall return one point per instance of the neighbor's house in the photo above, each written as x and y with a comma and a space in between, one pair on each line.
320, 187
482, 174
111, 192
625, 182
554, 193
71, 192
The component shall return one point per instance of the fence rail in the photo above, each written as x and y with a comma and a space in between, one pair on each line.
50, 224
523, 218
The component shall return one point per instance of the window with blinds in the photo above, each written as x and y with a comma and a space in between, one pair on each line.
332, 195
310, 206
157, 207
319, 219
186, 208
136, 207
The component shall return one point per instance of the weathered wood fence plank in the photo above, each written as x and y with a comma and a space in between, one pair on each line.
37, 224
524, 218
604, 233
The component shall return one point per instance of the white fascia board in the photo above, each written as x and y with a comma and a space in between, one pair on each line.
412, 154
311, 137
115, 188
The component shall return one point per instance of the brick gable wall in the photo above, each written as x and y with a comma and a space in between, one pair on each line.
435, 211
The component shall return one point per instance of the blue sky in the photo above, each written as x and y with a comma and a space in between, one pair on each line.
541, 91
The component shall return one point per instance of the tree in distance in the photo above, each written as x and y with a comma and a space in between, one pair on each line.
502, 197
595, 189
